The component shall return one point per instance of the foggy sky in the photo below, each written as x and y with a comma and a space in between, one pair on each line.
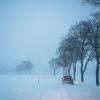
32, 29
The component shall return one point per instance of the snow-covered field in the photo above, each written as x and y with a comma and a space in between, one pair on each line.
21, 87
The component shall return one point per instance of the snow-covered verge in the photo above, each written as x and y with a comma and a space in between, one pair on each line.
46, 87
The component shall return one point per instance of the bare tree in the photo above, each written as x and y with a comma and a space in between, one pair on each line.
79, 32
73, 50
64, 56
53, 64
25, 66
94, 40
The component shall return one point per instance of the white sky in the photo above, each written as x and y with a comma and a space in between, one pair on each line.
32, 29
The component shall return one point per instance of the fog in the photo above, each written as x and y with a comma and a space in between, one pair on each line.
32, 29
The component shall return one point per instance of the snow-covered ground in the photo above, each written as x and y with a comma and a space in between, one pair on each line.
21, 87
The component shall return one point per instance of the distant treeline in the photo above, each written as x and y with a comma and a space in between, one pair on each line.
25, 67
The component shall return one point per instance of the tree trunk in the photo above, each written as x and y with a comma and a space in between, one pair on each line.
97, 71
66, 71
82, 72
54, 72
63, 71
74, 70
69, 70
82, 76
74, 73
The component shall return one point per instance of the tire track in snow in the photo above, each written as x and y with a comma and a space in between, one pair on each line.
55, 96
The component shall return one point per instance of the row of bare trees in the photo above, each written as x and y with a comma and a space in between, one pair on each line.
95, 3
82, 44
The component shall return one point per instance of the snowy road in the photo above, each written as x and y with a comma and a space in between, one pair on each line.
63, 96
54, 96
49, 88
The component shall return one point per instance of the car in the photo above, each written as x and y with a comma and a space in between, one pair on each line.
67, 79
